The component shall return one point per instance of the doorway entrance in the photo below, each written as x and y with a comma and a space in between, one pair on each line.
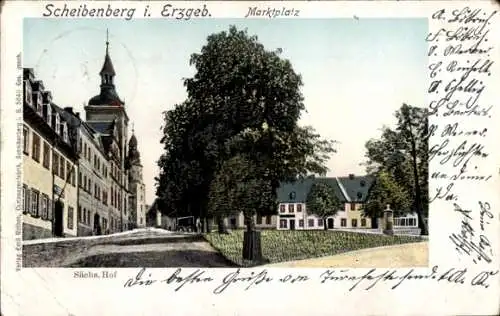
59, 219
292, 224
330, 223
97, 224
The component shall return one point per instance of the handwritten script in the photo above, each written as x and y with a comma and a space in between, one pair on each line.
247, 279
460, 54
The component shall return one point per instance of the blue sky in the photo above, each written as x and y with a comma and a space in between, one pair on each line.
356, 73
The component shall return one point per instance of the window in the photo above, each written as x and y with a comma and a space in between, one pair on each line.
89, 185
35, 195
354, 222
343, 222
45, 206
73, 177
26, 140
105, 197
282, 208
301, 223
84, 219
49, 115
62, 167
320, 222
35, 154
56, 125
26, 199
363, 222
70, 217
290, 208
28, 98
299, 208
79, 214
259, 218
55, 163
46, 155
268, 220
39, 104
80, 179
353, 206
283, 223
68, 172
65, 132
310, 222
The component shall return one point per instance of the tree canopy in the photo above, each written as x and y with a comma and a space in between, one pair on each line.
385, 191
322, 201
402, 152
243, 100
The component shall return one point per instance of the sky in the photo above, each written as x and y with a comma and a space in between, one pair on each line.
356, 72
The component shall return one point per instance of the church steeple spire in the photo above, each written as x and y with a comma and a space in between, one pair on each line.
108, 71
108, 95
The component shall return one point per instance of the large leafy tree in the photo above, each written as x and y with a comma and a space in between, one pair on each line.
322, 201
403, 152
243, 99
239, 187
385, 191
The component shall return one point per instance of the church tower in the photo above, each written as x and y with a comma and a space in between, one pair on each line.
106, 114
137, 189
107, 107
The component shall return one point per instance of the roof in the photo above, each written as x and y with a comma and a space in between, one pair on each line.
107, 67
108, 96
357, 187
346, 189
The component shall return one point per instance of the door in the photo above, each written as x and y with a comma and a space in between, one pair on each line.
59, 219
292, 224
330, 223
97, 224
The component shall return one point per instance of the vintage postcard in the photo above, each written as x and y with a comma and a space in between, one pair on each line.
251, 155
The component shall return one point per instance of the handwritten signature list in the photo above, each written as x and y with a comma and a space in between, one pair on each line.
460, 54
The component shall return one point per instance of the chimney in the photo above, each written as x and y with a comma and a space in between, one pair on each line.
351, 176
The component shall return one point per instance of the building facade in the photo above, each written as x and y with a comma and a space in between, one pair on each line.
137, 189
76, 172
50, 162
352, 191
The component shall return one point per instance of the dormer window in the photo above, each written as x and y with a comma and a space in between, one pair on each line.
56, 125
49, 114
39, 104
64, 128
27, 93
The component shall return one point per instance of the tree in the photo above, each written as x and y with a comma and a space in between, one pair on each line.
385, 191
403, 153
322, 201
239, 187
241, 94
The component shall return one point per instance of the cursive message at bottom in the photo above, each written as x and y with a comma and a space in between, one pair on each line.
250, 278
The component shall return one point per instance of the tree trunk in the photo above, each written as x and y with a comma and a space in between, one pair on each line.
418, 194
221, 226
249, 223
252, 249
206, 225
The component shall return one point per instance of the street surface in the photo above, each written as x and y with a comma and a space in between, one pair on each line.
147, 247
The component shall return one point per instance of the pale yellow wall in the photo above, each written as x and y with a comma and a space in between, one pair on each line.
35, 175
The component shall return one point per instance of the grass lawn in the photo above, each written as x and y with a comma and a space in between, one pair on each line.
281, 246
